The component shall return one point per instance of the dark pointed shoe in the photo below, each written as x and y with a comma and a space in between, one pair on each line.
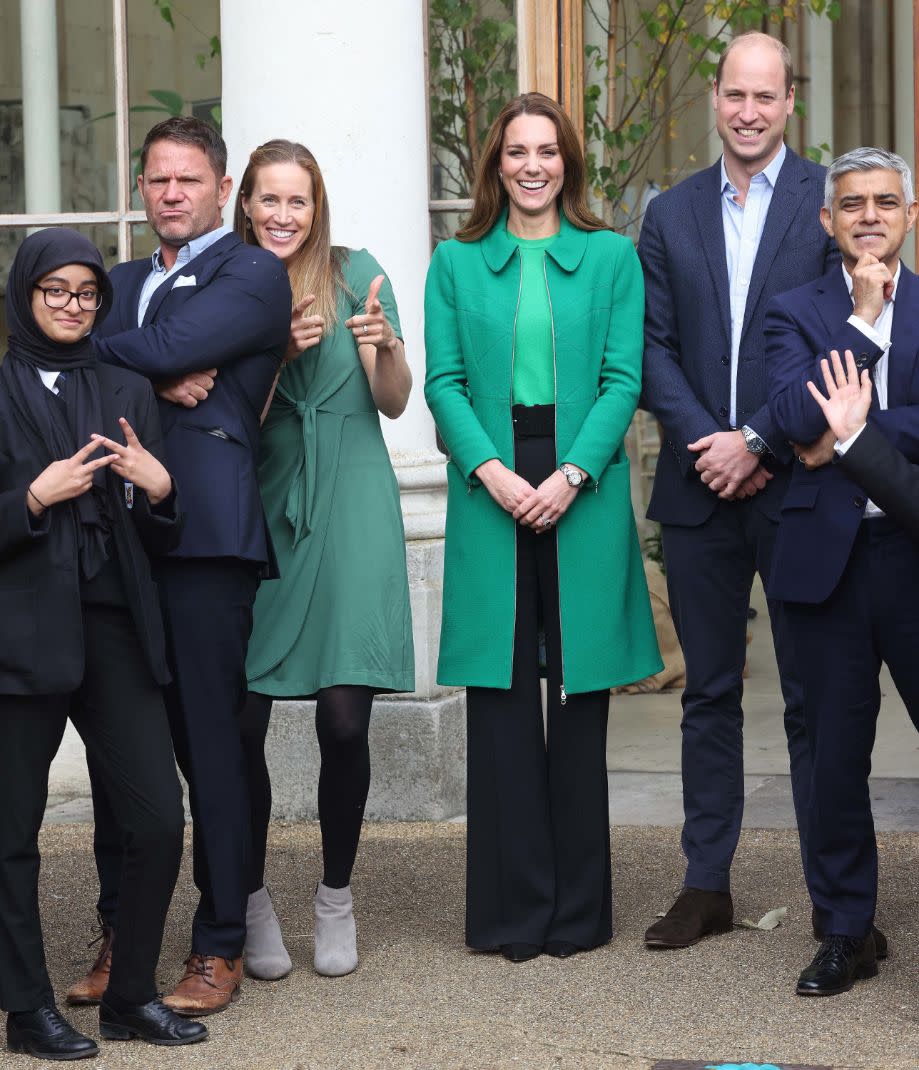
695, 914
840, 962
520, 952
46, 1034
561, 949
152, 1022
880, 940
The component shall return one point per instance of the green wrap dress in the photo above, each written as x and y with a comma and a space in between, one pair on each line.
340, 612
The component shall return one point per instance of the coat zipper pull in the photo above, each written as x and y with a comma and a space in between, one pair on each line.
564, 694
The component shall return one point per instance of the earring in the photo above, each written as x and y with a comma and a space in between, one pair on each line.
248, 223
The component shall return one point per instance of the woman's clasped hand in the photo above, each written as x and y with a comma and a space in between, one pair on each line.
539, 507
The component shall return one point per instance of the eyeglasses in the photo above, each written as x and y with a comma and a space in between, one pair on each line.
55, 297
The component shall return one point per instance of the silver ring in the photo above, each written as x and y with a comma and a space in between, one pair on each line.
364, 328
545, 521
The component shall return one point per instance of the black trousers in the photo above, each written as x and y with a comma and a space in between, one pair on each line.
538, 858
118, 711
870, 617
207, 610
710, 570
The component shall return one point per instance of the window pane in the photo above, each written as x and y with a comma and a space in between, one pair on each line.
143, 241
445, 224
103, 235
174, 66
472, 55
71, 144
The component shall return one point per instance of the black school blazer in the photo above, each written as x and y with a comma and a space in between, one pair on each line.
41, 615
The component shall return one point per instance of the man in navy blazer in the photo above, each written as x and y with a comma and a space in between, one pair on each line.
715, 248
848, 574
205, 303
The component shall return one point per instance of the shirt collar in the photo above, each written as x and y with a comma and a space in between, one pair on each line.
896, 280
192, 248
770, 172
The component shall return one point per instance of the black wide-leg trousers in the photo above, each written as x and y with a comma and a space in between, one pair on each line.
538, 856
119, 713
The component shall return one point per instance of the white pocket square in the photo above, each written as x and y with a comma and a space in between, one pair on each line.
185, 280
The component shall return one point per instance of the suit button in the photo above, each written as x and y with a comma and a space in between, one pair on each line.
859, 503
722, 411
725, 360
862, 360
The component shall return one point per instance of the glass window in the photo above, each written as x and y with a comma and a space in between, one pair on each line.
472, 72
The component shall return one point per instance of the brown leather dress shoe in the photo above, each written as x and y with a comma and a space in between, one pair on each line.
90, 989
210, 985
696, 913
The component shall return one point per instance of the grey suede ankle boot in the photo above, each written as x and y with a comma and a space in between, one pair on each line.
336, 934
265, 955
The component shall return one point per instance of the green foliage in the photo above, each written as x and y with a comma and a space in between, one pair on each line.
655, 71
472, 72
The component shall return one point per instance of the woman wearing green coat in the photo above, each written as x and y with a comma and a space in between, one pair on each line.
533, 331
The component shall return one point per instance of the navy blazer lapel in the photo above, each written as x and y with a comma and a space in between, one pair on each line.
197, 267
706, 204
128, 295
833, 301
904, 339
790, 188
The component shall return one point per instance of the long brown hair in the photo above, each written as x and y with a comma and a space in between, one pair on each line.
316, 267
488, 194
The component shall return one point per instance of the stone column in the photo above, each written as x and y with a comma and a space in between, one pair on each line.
902, 106
348, 79
40, 113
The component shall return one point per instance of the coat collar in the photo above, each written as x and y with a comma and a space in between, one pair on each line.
567, 250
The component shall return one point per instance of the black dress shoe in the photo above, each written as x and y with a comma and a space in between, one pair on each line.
152, 1022
561, 949
46, 1034
520, 952
695, 914
880, 940
840, 962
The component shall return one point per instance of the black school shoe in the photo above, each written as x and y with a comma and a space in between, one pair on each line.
840, 962
46, 1034
153, 1022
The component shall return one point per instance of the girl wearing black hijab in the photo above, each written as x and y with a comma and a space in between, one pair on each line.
82, 504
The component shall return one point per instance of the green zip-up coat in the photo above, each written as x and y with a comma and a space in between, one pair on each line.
596, 296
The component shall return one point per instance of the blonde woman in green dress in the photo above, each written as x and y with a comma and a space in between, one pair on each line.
337, 625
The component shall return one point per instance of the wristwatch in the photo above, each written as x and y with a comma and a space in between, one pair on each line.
754, 443
574, 477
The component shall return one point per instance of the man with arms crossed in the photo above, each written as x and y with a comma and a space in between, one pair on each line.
715, 248
205, 303
847, 574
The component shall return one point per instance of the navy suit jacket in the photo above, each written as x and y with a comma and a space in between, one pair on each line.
235, 317
822, 510
889, 479
687, 360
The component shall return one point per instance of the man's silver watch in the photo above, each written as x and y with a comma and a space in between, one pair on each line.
574, 477
754, 443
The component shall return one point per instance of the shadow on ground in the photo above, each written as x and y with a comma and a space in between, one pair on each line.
421, 1000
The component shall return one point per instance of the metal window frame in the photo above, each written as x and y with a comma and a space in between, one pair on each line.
122, 216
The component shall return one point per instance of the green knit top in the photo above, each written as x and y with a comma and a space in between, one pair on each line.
534, 357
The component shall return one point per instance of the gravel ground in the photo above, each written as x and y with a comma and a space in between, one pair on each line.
421, 1000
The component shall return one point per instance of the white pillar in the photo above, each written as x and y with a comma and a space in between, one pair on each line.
40, 112
348, 79
902, 104
820, 89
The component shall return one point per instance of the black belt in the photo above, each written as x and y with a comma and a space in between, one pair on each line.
533, 421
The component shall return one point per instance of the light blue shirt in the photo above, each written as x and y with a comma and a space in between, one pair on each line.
743, 229
158, 273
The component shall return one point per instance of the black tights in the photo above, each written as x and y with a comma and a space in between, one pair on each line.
342, 724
